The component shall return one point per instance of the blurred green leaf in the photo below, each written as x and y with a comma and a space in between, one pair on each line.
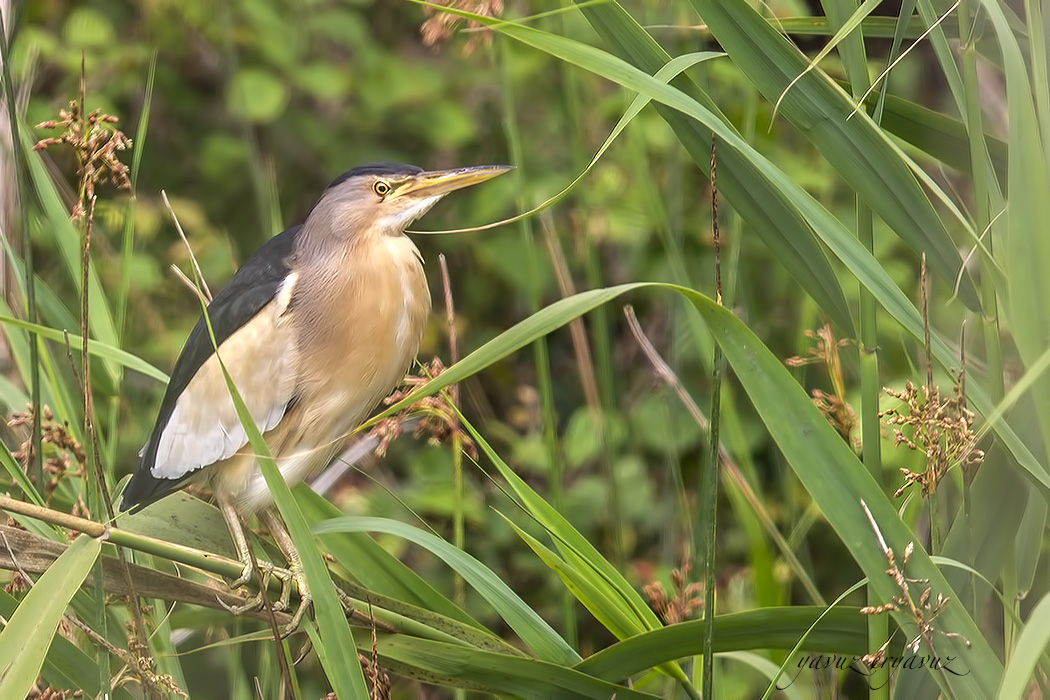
323, 80
666, 432
1033, 642
257, 95
86, 27
583, 436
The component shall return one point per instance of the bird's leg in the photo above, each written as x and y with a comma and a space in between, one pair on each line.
240, 542
284, 541
295, 566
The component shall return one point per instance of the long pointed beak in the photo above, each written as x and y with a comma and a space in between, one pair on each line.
441, 182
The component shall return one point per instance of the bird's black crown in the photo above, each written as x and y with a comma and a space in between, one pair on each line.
376, 169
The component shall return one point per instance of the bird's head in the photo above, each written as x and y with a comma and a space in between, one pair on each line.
384, 198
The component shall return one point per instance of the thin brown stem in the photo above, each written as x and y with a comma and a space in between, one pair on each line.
95, 459
459, 591
271, 616
665, 374
577, 332
186, 242
924, 290
450, 318
589, 382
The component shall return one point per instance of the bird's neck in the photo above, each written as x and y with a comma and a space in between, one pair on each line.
368, 311
372, 277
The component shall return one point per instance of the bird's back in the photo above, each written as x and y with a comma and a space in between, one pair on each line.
354, 349
255, 284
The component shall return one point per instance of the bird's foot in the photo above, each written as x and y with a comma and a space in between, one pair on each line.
250, 605
305, 598
346, 602
255, 602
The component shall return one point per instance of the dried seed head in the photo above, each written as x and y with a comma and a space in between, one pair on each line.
95, 143
440, 25
437, 419
939, 428
833, 406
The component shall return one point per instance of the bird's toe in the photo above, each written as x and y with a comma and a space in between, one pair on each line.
305, 601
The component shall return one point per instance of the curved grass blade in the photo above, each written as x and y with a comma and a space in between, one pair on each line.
375, 567
618, 619
614, 611
844, 31
839, 483
767, 211
66, 239
880, 27
536, 633
574, 547
849, 250
25, 641
765, 667
517, 676
855, 147
938, 135
65, 666
1034, 640
95, 347
667, 72
343, 671
827, 467
841, 631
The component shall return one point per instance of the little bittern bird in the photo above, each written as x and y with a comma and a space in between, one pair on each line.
314, 329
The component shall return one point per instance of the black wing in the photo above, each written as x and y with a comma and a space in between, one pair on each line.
254, 285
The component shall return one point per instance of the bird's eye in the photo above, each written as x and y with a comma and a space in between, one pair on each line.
381, 188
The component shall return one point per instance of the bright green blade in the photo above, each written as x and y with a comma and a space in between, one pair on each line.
854, 146
25, 641
769, 212
536, 633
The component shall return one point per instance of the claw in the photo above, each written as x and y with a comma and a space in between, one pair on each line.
305, 599
286, 576
303, 651
245, 578
294, 572
250, 605
255, 602
295, 568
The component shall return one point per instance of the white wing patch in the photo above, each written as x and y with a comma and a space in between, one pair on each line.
261, 357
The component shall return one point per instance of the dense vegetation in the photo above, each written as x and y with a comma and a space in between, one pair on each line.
556, 540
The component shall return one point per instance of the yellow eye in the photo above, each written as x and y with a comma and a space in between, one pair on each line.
381, 188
